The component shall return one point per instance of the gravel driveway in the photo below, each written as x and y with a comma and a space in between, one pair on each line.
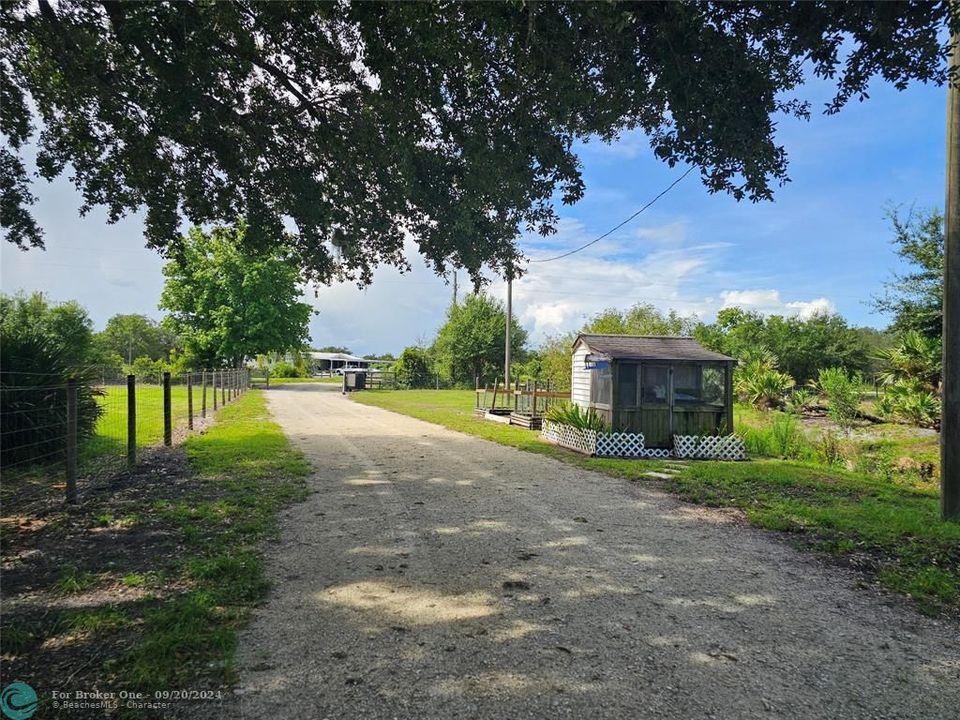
436, 575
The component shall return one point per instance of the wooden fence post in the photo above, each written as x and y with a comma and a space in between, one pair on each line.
213, 376
203, 393
72, 441
167, 416
190, 401
223, 387
131, 420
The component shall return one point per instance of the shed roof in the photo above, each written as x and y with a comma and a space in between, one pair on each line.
649, 347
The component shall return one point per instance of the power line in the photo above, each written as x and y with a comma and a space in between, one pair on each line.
614, 229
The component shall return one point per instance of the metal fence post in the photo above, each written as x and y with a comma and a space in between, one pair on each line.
72, 441
190, 401
203, 394
213, 381
131, 420
167, 417
223, 387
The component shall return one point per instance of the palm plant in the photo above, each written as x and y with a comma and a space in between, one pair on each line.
913, 357
909, 400
800, 401
758, 381
575, 416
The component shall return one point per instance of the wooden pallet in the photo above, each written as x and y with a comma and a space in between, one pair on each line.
530, 422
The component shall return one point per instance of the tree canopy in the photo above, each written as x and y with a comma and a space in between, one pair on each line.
364, 124
62, 329
228, 304
132, 335
915, 298
801, 346
641, 319
470, 344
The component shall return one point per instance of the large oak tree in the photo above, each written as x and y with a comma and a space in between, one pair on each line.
362, 124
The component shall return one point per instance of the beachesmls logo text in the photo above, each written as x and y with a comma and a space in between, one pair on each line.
18, 701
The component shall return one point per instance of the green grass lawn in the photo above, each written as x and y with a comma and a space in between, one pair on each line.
171, 591
898, 453
108, 446
891, 529
245, 471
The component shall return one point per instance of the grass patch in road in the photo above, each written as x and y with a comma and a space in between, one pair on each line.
889, 529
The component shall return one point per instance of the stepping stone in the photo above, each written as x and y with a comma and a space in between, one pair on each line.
658, 475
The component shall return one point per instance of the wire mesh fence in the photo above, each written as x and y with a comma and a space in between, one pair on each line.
33, 419
91, 426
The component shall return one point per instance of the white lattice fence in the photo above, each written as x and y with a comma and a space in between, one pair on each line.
620, 445
584, 441
627, 445
709, 447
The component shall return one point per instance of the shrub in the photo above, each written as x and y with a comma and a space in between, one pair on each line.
828, 449
800, 401
285, 370
756, 441
842, 391
414, 368
33, 399
575, 416
785, 436
145, 369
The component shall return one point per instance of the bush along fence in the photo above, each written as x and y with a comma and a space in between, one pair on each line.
91, 425
631, 445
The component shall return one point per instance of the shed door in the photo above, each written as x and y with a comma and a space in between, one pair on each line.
656, 391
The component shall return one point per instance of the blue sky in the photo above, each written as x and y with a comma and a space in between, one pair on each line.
823, 244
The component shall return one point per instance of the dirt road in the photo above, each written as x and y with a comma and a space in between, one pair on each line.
435, 575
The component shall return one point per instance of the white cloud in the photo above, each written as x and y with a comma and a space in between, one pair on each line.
769, 302
674, 233
397, 310
559, 296
629, 145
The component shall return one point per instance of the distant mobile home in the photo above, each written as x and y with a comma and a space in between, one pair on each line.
332, 362
658, 386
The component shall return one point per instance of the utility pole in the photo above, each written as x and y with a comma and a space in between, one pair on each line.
506, 359
950, 423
